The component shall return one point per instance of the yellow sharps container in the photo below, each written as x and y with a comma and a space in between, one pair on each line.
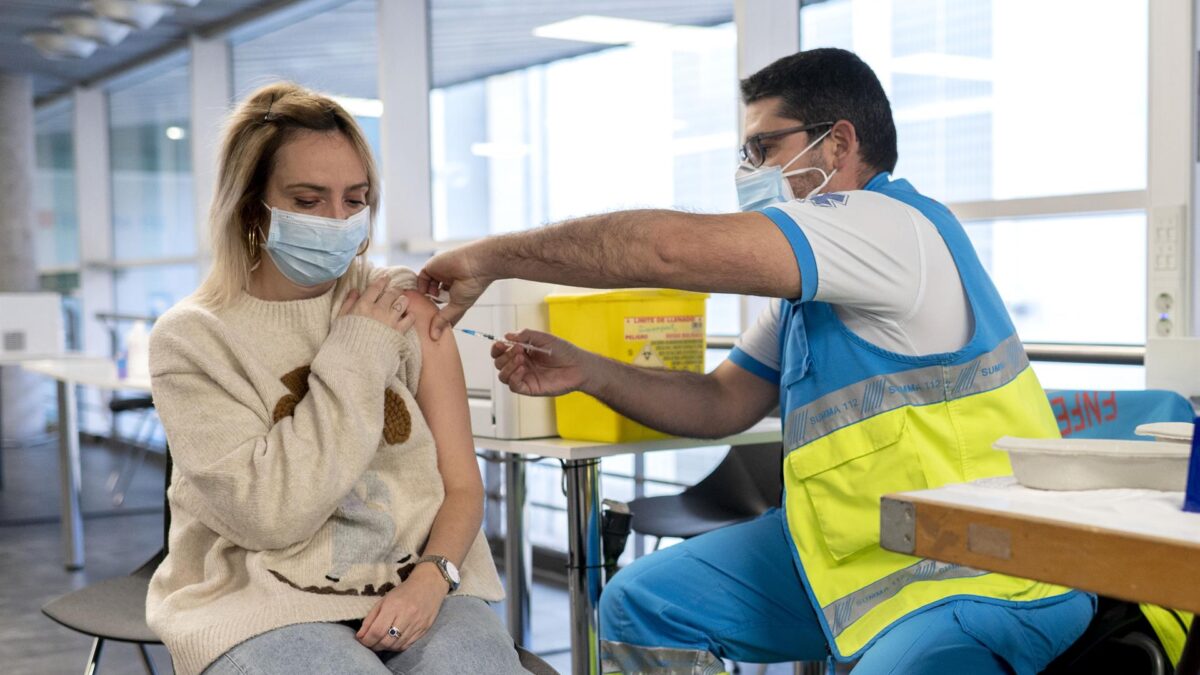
650, 328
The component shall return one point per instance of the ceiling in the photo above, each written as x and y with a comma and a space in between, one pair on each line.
52, 77
470, 38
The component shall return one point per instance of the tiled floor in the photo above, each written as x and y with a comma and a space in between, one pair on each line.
119, 540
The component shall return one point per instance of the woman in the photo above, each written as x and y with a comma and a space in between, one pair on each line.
325, 494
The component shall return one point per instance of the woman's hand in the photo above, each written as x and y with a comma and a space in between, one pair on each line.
536, 373
386, 305
411, 608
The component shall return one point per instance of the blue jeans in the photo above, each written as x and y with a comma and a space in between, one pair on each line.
466, 637
735, 592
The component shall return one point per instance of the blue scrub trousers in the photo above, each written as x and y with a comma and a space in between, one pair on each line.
735, 592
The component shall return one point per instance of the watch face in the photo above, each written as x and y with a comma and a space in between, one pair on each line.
453, 572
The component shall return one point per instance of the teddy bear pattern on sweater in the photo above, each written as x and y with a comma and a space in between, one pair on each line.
363, 528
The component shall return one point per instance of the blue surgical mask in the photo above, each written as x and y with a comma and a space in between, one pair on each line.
311, 250
767, 185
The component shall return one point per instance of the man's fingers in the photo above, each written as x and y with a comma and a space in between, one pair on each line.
424, 281
445, 319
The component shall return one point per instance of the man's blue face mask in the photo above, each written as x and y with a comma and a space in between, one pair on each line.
767, 185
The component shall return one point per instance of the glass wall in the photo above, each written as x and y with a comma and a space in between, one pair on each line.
540, 113
334, 52
1016, 99
57, 228
153, 211
152, 193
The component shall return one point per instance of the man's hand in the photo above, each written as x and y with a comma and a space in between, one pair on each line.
535, 373
454, 273
411, 608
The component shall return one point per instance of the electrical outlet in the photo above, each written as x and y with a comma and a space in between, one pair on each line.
1167, 272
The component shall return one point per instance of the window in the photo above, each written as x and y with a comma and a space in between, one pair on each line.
540, 113
1001, 100
1011, 100
333, 52
57, 226
152, 197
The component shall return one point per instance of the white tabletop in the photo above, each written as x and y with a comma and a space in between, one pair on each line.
90, 371
766, 431
11, 359
1139, 512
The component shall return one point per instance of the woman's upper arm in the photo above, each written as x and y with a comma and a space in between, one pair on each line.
442, 397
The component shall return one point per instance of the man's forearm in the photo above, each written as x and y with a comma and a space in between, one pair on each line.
677, 402
604, 251
645, 248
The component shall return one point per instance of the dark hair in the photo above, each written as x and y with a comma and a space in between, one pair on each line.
829, 84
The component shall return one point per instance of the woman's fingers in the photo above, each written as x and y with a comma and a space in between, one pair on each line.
387, 300
405, 322
414, 634
366, 623
348, 303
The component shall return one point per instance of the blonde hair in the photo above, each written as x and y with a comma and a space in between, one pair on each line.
262, 123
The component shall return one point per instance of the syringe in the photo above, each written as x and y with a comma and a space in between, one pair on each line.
493, 338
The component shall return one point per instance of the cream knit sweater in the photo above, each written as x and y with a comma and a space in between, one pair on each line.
305, 481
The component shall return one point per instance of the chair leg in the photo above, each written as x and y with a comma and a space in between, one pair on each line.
657, 541
146, 660
93, 662
1158, 660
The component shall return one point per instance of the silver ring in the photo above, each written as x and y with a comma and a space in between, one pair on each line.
393, 632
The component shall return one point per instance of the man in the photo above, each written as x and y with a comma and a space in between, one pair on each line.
895, 366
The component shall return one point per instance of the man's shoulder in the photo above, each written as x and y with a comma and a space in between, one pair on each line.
849, 205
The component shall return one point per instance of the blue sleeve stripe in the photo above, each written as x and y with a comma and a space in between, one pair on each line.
805, 259
753, 366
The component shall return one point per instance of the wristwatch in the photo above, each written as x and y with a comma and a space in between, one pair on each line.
447, 568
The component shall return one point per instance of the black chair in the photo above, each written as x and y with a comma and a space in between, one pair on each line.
115, 609
138, 444
1118, 640
744, 485
534, 663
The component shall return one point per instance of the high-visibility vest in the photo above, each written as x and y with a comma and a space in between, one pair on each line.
861, 422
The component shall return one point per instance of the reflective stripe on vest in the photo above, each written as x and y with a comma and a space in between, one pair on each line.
920, 386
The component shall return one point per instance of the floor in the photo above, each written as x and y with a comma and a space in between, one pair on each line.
117, 541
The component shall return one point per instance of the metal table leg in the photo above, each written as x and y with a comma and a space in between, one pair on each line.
517, 551
68, 471
585, 571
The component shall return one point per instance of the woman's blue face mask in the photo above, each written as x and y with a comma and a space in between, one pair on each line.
311, 250
767, 185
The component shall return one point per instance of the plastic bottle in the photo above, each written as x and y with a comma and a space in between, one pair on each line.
137, 345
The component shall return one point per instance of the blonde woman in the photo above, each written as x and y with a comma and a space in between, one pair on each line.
325, 502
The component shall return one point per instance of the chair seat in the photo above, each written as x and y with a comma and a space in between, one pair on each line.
113, 609
534, 663
680, 516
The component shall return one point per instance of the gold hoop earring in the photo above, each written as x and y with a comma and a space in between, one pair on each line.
252, 243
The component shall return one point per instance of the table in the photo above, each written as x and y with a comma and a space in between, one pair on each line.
1136, 545
70, 371
585, 564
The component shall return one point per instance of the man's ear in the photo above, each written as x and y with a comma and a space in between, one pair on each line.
843, 141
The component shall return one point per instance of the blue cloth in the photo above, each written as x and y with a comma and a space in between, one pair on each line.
734, 592
1115, 414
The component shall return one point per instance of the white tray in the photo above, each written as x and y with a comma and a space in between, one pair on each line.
1174, 432
1096, 464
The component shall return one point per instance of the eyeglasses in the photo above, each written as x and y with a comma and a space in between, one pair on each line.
752, 150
